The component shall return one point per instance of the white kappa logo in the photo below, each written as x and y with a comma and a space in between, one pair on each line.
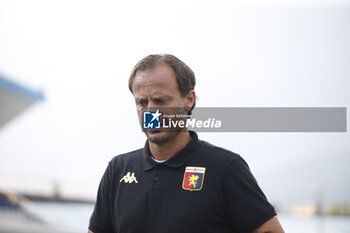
129, 178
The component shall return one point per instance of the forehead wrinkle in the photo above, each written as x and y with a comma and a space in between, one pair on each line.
150, 81
153, 88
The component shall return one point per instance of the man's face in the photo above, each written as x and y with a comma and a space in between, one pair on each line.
157, 88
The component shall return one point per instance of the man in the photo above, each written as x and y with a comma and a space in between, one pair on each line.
177, 183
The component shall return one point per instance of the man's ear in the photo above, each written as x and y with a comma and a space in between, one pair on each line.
189, 100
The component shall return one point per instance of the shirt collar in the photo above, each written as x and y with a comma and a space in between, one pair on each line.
177, 160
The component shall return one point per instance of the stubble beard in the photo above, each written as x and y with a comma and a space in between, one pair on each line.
168, 134
166, 137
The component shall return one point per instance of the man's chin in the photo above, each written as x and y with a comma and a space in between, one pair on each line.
160, 137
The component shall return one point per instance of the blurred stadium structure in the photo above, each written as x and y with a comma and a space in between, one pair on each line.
14, 99
17, 213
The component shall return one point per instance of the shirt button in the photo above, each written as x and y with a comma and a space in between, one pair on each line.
156, 178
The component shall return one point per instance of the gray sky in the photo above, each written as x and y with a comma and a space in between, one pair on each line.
80, 53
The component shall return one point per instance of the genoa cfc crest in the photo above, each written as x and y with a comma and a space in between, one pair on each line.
193, 178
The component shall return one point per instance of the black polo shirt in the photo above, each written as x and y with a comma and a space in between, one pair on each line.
201, 189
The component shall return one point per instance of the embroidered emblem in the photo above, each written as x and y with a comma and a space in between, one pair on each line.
193, 178
129, 178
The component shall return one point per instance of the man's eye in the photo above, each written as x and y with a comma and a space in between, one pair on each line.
159, 101
142, 102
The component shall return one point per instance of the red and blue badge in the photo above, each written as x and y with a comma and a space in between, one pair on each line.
193, 178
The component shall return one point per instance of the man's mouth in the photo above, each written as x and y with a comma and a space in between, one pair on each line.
154, 131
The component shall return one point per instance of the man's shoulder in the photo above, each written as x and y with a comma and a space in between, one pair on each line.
131, 156
218, 153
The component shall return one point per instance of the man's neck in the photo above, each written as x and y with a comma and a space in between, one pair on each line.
167, 150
